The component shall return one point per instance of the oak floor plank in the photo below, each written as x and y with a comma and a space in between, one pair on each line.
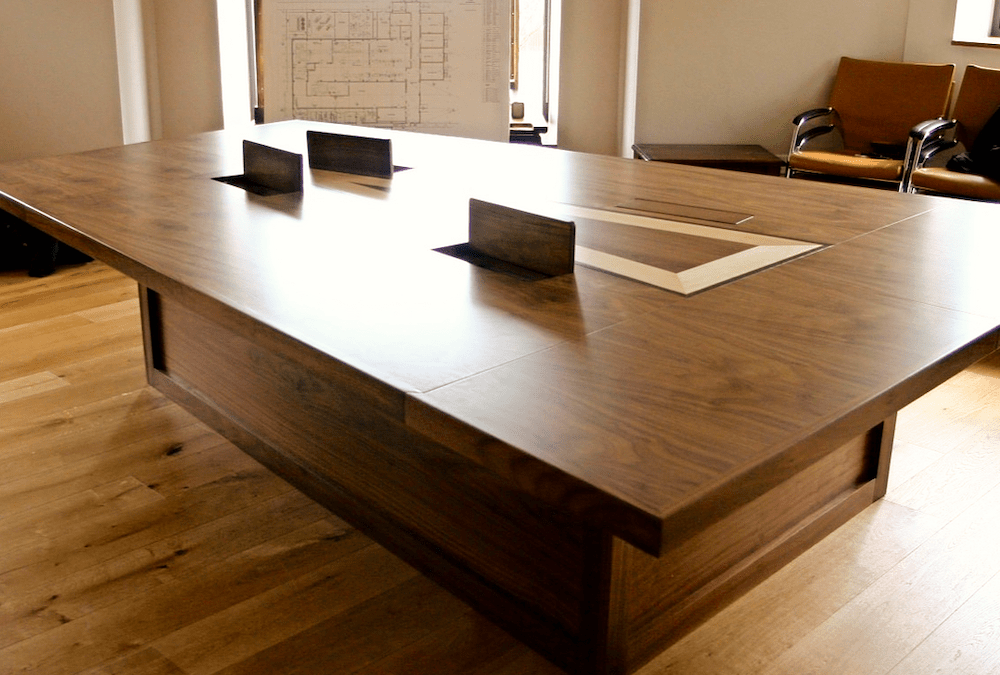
106, 537
464, 645
519, 660
908, 603
17, 338
908, 460
955, 480
364, 634
27, 610
239, 631
71, 432
179, 460
17, 287
968, 643
29, 385
70, 519
77, 288
948, 416
101, 378
142, 662
126, 310
797, 599
125, 627
70, 473
138, 419
26, 354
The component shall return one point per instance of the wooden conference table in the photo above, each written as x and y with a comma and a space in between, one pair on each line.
594, 462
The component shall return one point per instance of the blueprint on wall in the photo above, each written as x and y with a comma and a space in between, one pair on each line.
427, 65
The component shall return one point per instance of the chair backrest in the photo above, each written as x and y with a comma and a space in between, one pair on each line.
978, 98
880, 101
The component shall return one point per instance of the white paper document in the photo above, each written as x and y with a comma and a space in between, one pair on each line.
440, 66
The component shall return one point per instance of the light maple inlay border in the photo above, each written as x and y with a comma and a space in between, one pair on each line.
765, 251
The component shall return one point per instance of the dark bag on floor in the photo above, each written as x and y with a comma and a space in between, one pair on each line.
23, 247
983, 157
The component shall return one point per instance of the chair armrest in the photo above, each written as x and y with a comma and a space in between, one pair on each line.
803, 137
808, 115
926, 140
807, 127
931, 148
929, 128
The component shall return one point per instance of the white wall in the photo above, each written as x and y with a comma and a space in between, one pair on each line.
928, 38
717, 71
590, 74
58, 77
133, 81
59, 73
187, 69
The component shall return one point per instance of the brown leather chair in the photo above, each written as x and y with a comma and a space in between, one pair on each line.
873, 106
978, 100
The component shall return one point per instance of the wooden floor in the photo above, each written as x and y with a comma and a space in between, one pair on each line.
134, 540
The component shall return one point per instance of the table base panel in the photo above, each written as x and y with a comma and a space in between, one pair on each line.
586, 600
662, 599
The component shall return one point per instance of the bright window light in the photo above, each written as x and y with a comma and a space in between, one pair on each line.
975, 22
234, 59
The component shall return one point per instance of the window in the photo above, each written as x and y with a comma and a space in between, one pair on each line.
977, 22
534, 63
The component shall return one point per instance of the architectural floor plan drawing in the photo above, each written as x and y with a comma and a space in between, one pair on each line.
430, 65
